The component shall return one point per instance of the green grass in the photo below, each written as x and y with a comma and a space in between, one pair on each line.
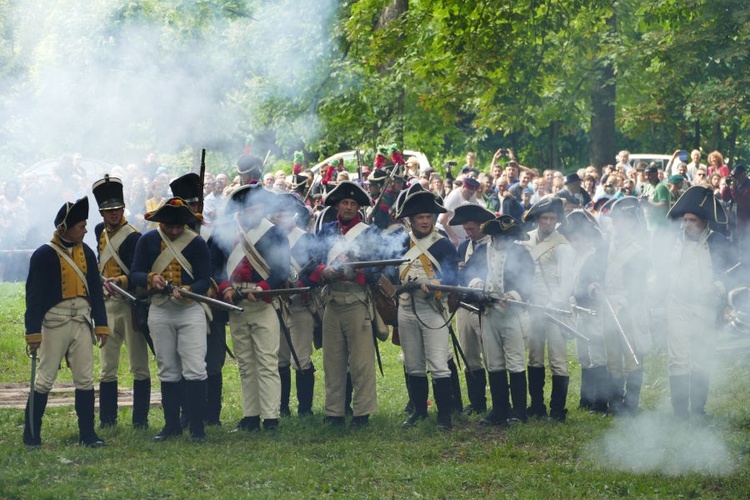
589, 456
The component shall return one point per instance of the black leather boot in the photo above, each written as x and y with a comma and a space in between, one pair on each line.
409, 408
214, 388
107, 404
588, 389
359, 421
285, 373
248, 424
558, 398
633, 383
476, 384
184, 404
418, 390
270, 424
197, 409
518, 395
679, 393
171, 396
444, 397
616, 395
536, 392
698, 393
601, 389
84, 402
34, 439
141, 403
498, 415
458, 404
305, 381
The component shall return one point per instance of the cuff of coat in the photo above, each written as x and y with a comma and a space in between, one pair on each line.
317, 274
224, 286
476, 283
124, 281
149, 281
33, 338
101, 330
263, 285
360, 277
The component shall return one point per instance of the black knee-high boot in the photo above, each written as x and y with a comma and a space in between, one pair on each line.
441, 388
588, 389
418, 389
518, 395
498, 415
171, 397
84, 402
679, 393
348, 397
285, 373
698, 393
40, 404
633, 383
197, 404
305, 381
107, 404
458, 404
141, 403
214, 388
476, 387
536, 392
558, 398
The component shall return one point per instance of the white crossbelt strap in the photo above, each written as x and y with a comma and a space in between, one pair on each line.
174, 251
294, 237
72, 263
246, 248
111, 247
341, 245
421, 246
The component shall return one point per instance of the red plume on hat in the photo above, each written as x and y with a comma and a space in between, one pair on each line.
299, 158
381, 158
396, 156
248, 144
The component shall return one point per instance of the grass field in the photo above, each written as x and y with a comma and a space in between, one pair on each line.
589, 456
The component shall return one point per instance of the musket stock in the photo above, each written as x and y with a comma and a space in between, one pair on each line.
118, 289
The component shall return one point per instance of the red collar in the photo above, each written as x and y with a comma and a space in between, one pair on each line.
346, 227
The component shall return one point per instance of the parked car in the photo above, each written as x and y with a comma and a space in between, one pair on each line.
661, 161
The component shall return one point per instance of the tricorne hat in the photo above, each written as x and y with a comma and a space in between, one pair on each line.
108, 193
420, 202
248, 195
173, 212
701, 202
504, 226
580, 220
470, 212
348, 190
71, 214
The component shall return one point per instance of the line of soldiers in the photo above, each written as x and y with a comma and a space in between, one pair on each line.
532, 291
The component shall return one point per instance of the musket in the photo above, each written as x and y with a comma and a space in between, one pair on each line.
619, 327
578, 308
118, 289
359, 168
203, 179
361, 264
276, 292
469, 307
169, 288
32, 355
287, 334
263, 166
567, 328
386, 185
544, 309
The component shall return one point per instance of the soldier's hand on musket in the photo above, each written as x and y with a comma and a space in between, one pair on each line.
176, 293
101, 340
424, 288
33, 348
158, 282
229, 295
252, 297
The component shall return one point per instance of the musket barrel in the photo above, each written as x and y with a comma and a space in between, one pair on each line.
374, 263
281, 292
620, 328
206, 300
120, 291
567, 328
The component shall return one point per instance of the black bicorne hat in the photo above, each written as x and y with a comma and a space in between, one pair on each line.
504, 226
378, 176
420, 202
701, 202
250, 165
470, 213
348, 190
247, 195
581, 220
544, 206
188, 187
108, 193
71, 214
174, 211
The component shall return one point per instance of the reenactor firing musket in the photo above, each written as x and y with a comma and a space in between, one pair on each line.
111, 286
277, 292
169, 288
478, 295
362, 264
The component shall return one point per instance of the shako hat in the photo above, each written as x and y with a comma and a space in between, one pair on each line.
699, 201
543, 206
348, 190
188, 187
504, 226
420, 202
71, 214
378, 176
299, 181
250, 165
470, 212
173, 212
108, 193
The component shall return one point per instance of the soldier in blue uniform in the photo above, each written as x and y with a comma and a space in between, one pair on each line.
63, 296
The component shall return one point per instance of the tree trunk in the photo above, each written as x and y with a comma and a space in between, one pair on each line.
553, 154
602, 148
717, 137
697, 135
